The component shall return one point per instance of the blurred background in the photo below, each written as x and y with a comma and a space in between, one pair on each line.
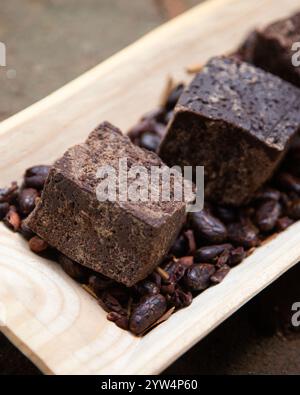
50, 42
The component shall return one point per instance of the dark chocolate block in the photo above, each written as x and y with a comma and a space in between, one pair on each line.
122, 240
235, 120
271, 48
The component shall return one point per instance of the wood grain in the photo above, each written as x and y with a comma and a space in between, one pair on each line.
49, 317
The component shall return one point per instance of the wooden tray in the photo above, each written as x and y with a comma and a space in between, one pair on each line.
49, 317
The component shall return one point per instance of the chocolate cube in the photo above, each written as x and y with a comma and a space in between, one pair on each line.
123, 240
272, 48
237, 121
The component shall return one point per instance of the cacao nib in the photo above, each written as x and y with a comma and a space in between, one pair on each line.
223, 259
236, 256
12, 219
180, 298
8, 195
147, 288
220, 274
119, 319
109, 303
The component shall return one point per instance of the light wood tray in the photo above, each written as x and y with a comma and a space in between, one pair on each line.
49, 317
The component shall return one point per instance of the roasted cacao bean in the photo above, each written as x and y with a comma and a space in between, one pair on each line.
12, 219
109, 303
147, 288
210, 253
223, 259
294, 209
226, 214
208, 227
27, 199
288, 182
267, 193
74, 269
180, 298
245, 235
176, 269
8, 195
150, 141
37, 244
267, 215
99, 283
197, 277
119, 319
189, 234
180, 247
149, 310
236, 256
283, 223
36, 176
25, 231
174, 97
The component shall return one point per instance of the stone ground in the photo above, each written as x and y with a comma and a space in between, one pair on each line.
50, 42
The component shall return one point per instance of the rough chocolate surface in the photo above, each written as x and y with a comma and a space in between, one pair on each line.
237, 121
122, 240
272, 48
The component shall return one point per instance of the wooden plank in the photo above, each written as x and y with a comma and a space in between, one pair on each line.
48, 316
